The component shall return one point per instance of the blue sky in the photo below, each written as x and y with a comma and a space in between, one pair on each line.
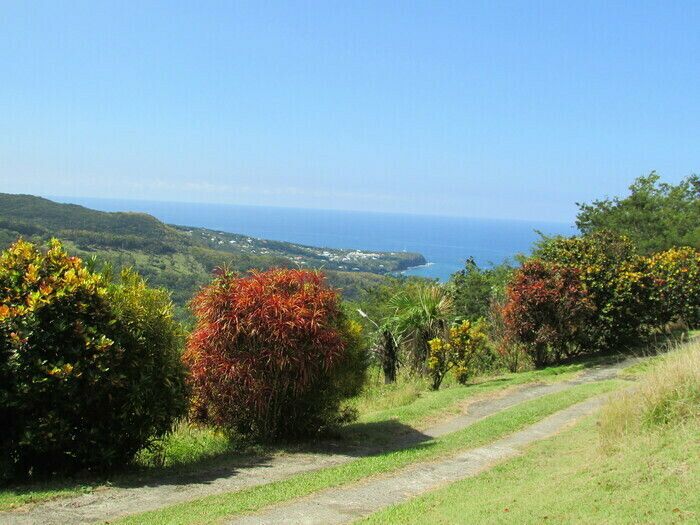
486, 109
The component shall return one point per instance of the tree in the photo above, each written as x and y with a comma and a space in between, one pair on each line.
472, 289
385, 347
377, 314
655, 216
547, 310
272, 354
389, 355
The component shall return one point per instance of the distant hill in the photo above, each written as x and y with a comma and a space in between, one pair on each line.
181, 258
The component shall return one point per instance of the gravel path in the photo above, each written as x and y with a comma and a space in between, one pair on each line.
114, 502
346, 504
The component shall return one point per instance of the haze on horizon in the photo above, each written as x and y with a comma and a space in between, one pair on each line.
492, 109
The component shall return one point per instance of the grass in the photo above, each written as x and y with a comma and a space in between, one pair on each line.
637, 461
481, 432
410, 401
668, 394
186, 445
653, 478
655, 354
189, 447
17, 496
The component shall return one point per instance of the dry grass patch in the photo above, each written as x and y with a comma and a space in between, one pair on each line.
668, 394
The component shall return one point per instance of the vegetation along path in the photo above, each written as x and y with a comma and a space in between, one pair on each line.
115, 502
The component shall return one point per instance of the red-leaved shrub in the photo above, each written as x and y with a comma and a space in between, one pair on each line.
547, 310
272, 354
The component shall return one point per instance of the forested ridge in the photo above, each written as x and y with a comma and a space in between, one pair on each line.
181, 258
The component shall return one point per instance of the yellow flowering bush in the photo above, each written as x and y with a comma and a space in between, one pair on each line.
676, 285
461, 352
613, 276
89, 370
633, 296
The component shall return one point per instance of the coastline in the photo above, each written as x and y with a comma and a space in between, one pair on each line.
405, 271
414, 240
426, 264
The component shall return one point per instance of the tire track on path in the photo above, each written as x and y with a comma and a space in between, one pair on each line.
346, 504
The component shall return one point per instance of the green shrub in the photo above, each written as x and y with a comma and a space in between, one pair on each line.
634, 296
675, 275
155, 375
89, 370
616, 282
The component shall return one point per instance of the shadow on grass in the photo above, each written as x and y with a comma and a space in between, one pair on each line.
224, 464
365, 438
355, 440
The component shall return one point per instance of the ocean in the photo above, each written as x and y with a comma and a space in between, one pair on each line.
446, 242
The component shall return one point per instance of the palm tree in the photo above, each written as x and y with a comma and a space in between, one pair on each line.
385, 347
421, 312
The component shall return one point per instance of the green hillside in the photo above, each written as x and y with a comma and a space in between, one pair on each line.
181, 258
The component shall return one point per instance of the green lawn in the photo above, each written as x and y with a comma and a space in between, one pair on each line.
651, 478
482, 432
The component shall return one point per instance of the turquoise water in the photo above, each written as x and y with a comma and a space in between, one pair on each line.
446, 242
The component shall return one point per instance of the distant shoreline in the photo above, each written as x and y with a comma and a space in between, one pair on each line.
424, 265
442, 243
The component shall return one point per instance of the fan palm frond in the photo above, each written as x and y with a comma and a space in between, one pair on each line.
421, 312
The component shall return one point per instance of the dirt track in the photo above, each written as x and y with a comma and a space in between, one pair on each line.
348, 503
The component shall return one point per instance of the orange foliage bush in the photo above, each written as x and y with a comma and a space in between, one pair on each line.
547, 310
272, 354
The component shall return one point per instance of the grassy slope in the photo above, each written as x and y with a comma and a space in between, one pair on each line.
484, 431
195, 448
655, 479
637, 461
